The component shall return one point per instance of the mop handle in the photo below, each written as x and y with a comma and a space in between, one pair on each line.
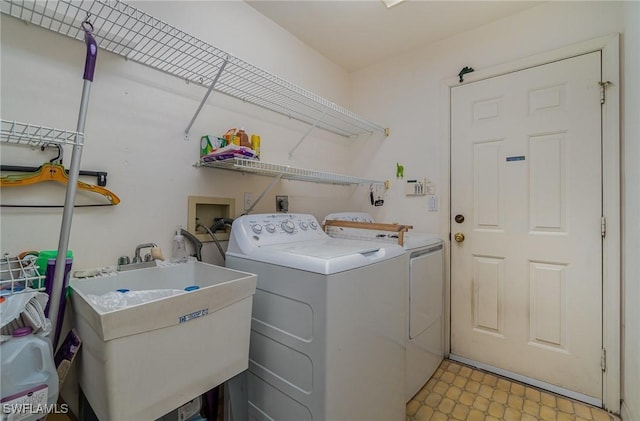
92, 51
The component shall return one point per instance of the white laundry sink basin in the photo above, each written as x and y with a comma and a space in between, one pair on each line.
144, 360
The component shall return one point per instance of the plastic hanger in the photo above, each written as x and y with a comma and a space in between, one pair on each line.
51, 171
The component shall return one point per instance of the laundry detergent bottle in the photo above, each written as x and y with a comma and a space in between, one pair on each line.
29, 376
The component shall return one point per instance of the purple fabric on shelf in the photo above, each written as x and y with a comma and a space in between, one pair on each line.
230, 151
221, 157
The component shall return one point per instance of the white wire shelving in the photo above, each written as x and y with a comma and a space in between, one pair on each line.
286, 172
27, 134
137, 36
19, 275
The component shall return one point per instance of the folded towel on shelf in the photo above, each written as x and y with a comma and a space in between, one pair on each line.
24, 309
230, 151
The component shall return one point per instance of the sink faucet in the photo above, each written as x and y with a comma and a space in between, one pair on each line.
124, 263
136, 256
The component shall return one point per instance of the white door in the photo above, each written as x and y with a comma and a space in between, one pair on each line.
526, 281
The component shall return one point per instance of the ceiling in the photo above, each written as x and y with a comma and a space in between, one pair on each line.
357, 33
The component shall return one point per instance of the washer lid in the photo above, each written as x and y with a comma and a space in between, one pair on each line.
325, 249
326, 256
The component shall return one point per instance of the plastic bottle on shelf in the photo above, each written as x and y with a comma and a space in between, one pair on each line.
179, 252
255, 144
244, 138
29, 376
231, 136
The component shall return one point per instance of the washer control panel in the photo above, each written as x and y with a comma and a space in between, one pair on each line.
262, 229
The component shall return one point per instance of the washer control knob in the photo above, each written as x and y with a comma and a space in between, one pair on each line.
271, 228
304, 225
288, 226
313, 225
257, 228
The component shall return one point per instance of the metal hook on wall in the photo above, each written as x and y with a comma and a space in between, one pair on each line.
464, 71
58, 158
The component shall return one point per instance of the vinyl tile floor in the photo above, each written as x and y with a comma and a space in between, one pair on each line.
459, 392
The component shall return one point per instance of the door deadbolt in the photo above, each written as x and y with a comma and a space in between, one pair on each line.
459, 218
459, 237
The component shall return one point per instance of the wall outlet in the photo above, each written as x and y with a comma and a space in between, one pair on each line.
249, 198
282, 203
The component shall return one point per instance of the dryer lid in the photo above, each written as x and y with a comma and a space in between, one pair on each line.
414, 240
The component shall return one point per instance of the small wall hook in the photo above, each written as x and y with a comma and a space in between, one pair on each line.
464, 71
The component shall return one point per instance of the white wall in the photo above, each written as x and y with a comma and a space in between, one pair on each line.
405, 94
631, 212
134, 131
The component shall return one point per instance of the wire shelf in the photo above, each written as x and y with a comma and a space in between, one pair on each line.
129, 32
288, 173
33, 135
19, 275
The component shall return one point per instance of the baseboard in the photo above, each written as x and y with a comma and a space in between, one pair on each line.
528, 380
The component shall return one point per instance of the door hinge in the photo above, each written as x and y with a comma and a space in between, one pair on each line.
603, 226
603, 360
603, 87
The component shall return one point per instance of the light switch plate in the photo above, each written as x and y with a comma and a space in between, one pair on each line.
432, 203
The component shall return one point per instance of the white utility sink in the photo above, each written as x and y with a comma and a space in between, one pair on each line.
143, 361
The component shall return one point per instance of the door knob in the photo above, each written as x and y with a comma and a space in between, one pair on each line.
459, 237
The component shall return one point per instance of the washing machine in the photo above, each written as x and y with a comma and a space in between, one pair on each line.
327, 331
424, 332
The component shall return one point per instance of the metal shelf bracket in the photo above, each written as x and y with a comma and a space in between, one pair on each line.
313, 126
266, 189
206, 96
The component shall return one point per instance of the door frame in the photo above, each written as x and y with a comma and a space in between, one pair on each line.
611, 263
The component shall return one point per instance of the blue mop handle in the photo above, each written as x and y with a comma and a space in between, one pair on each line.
92, 51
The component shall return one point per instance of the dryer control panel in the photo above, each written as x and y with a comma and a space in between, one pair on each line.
275, 228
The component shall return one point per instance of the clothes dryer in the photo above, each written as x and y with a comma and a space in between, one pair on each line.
327, 333
424, 332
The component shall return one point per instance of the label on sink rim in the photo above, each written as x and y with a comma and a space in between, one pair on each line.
194, 315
